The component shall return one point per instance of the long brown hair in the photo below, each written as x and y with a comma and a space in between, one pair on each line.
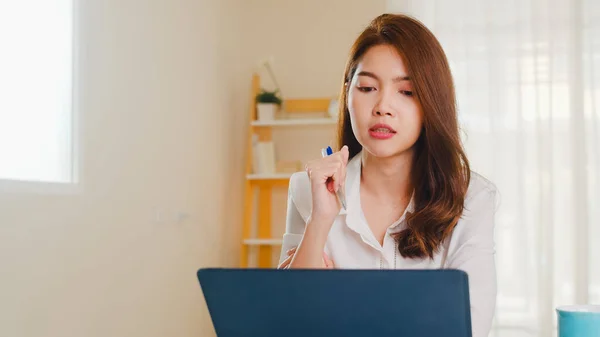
440, 172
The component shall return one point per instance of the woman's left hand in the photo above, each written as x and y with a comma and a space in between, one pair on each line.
285, 264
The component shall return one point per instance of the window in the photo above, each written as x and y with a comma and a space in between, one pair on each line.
36, 91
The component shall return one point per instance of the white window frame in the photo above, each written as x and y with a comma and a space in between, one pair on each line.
75, 186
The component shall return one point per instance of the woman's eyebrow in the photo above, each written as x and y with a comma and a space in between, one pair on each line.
368, 74
372, 75
401, 78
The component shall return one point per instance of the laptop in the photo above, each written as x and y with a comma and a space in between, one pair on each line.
314, 303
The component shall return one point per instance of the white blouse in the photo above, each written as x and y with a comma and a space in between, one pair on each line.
352, 245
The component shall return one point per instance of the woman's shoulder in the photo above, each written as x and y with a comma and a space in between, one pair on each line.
480, 206
300, 194
480, 187
475, 228
299, 181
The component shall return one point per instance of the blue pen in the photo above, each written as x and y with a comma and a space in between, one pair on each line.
340, 196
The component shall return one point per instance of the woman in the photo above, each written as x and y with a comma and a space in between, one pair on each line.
412, 201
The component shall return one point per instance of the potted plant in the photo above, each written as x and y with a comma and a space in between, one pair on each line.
267, 103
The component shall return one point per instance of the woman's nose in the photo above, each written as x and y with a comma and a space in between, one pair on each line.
384, 104
380, 112
384, 108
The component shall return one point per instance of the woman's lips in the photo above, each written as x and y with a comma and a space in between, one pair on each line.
381, 131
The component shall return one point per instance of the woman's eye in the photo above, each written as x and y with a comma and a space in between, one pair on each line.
366, 89
406, 92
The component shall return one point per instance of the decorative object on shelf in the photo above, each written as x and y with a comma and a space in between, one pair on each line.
334, 107
267, 104
263, 156
267, 64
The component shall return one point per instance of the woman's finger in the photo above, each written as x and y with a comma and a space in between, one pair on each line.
331, 173
344, 158
285, 263
338, 163
338, 175
291, 251
328, 262
327, 165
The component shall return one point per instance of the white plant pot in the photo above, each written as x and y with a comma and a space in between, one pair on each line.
266, 111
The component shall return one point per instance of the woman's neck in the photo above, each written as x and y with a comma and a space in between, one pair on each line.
387, 178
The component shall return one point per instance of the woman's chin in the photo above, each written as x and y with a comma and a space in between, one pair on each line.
380, 151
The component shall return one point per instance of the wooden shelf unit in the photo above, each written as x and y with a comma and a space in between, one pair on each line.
257, 222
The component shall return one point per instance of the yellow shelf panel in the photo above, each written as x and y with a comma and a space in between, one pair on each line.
263, 242
307, 104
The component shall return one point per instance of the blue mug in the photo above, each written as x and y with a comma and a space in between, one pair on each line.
578, 321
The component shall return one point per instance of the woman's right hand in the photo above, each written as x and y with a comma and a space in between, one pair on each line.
325, 206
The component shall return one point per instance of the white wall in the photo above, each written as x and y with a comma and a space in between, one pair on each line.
164, 106
155, 111
308, 39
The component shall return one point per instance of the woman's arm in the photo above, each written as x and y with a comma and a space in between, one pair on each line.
294, 226
309, 254
297, 234
325, 177
473, 252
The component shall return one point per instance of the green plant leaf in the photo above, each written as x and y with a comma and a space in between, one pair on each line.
268, 97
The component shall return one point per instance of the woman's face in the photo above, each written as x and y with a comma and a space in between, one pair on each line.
386, 118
